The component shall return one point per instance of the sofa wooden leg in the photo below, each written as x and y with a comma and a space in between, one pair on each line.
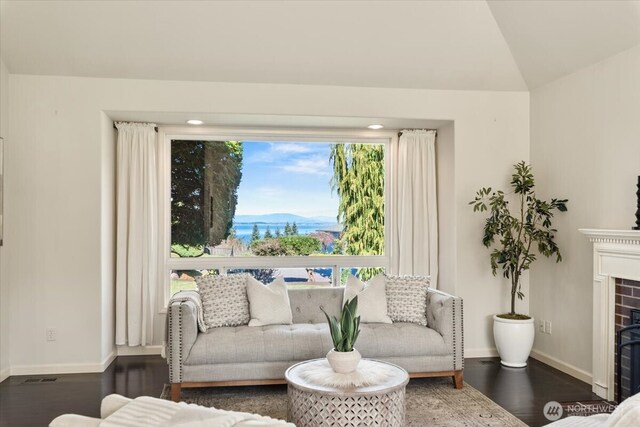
458, 378
175, 391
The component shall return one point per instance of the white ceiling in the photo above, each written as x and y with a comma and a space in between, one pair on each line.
430, 44
550, 39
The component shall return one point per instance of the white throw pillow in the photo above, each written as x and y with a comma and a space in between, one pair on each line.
269, 304
372, 298
224, 299
407, 298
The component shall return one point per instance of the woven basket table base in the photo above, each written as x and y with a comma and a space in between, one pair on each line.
312, 409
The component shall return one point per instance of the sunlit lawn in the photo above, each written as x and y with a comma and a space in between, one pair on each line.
182, 285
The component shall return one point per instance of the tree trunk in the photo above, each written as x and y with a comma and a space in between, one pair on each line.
514, 291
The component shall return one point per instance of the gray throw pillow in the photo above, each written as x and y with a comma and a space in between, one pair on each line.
224, 300
407, 298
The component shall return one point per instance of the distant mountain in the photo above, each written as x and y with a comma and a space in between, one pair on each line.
324, 219
283, 218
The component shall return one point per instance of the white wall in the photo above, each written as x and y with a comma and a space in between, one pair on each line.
488, 142
585, 146
4, 287
57, 215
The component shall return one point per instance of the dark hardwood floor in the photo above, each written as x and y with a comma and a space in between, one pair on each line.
523, 392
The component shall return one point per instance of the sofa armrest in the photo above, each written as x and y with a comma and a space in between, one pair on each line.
111, 404
182, 331
445, 316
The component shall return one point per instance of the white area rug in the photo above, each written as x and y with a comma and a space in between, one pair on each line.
431, 402
368, 373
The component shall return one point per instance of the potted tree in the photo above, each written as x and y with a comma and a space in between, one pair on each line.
344, 358
515, 237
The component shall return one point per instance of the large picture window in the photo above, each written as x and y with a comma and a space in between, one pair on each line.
311, 210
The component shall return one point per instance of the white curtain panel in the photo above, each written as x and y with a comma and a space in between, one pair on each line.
137, 233
416, 233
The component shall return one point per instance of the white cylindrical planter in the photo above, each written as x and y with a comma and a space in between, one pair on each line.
514, 340
344, 362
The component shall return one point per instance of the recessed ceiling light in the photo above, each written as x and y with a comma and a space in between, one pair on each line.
195, 122
375, 126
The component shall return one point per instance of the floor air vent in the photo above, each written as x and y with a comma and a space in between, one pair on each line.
39, 380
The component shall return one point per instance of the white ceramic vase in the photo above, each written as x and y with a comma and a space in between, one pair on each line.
514, 340
344, 362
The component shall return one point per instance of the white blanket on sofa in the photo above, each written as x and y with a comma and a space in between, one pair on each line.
194, 297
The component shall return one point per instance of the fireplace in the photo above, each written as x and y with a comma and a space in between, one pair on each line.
616, 257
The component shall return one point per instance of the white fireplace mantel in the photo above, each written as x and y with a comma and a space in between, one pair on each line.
616, 254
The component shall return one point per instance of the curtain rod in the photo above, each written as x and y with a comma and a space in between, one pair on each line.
399, 133
435, 130
155, 128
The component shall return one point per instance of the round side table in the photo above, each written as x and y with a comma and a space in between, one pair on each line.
314, 405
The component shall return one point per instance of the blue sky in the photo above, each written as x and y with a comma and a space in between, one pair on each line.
286, 177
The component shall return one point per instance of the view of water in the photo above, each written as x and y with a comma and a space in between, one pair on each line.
243, 230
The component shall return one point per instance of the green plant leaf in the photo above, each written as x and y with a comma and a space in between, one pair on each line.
344, 331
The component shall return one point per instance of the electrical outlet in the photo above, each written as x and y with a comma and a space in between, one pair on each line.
541, 326
547, 326
51, 334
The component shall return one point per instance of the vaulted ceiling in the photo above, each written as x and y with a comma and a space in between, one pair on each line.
470, 45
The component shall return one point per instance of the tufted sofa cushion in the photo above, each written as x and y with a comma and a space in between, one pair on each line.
271, 343
399, 340
302, 341
306, 303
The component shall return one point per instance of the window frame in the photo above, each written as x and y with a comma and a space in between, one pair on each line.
167, 263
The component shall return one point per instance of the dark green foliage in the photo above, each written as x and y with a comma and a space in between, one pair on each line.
358, 179
255, 233
287, 229
286, 245
269, 247
278, 232
294, 229
267, 233
300, 245
205, 176
345, 331
520, 233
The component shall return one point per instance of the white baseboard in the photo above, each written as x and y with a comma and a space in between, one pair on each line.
124, 350
109, 359
480, 352
78, 368
63, 368
4, 374
562, 366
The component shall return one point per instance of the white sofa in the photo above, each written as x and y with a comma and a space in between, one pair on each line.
119, 411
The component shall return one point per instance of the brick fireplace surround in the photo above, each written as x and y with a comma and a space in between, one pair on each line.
616, 272
627, 298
